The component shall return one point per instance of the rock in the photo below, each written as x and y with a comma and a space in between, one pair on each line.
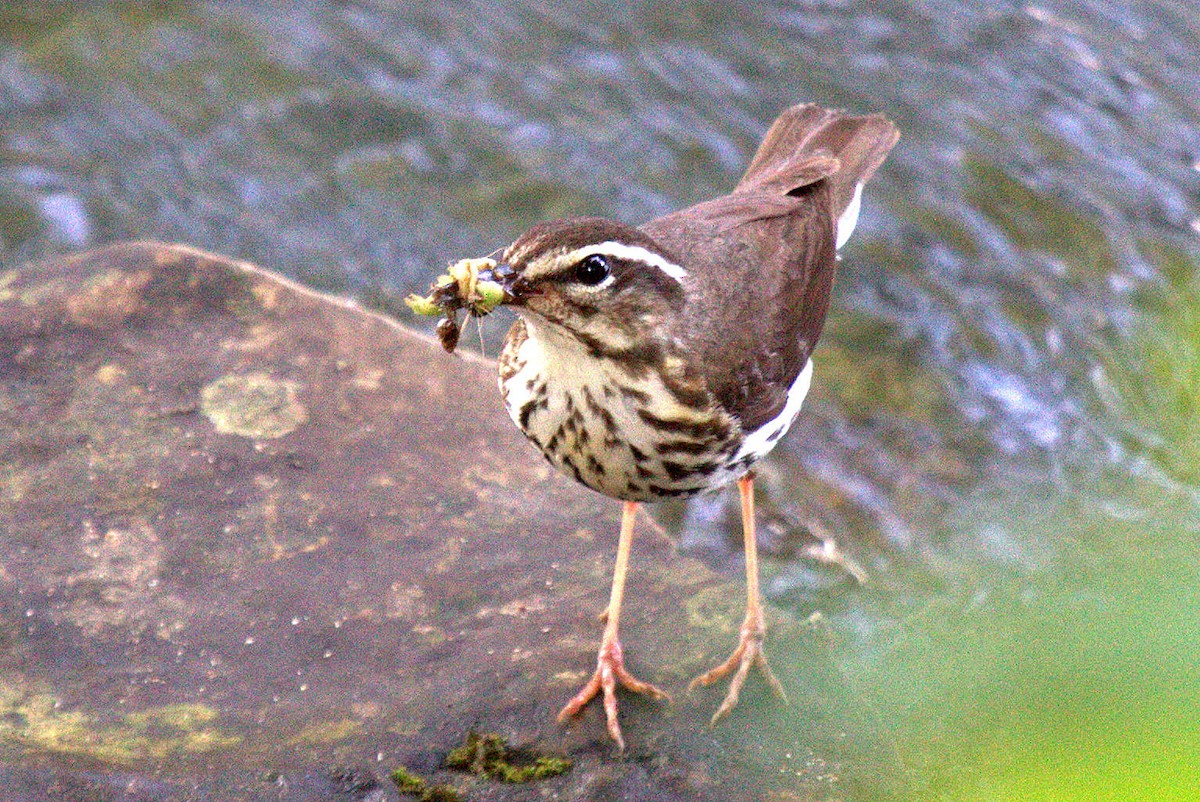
251, 532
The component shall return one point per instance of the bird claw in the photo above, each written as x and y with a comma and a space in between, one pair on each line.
610, 671
749, 653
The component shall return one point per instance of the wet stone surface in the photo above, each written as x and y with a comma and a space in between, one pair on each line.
261, 544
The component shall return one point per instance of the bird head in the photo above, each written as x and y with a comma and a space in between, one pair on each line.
598, 280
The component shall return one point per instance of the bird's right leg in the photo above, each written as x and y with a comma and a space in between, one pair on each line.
610, 661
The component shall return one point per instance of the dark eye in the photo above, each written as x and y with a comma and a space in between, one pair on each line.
592, 270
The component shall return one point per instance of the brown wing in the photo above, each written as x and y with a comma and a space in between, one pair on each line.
761, 261
757, 292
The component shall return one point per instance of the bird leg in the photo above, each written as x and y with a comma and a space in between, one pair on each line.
749, 651
610, 661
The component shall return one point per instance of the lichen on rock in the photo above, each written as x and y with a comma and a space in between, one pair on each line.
253, 405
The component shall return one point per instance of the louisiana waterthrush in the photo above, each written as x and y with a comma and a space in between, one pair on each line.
662, 361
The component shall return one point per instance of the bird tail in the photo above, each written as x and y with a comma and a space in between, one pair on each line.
808, 143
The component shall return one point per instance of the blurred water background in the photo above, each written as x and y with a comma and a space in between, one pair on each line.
1005, 430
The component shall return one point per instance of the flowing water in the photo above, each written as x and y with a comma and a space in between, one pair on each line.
1005, 427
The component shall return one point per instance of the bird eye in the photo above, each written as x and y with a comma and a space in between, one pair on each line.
591, 270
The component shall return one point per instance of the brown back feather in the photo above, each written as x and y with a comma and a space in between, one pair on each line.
758, 290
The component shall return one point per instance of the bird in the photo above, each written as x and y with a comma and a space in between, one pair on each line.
664, 360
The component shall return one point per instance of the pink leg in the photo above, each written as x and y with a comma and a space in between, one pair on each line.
610, 662
749, 651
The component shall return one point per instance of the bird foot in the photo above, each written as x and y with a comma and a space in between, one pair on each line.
748, 653
610, 670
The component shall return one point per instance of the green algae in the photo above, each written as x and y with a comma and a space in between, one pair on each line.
33, 718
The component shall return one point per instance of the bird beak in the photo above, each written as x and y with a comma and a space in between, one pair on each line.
508, 279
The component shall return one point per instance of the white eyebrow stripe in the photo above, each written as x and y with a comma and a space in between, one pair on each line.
634, 253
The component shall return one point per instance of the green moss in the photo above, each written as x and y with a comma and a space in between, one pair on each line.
441, 793
413, 784
490, 756
408, 782
548, 766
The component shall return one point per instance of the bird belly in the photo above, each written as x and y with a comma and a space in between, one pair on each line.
623, 434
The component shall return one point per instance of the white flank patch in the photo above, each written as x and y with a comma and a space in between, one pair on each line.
766, 437
849, 218
633, 253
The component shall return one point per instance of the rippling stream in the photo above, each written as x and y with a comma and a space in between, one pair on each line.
1004, 430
